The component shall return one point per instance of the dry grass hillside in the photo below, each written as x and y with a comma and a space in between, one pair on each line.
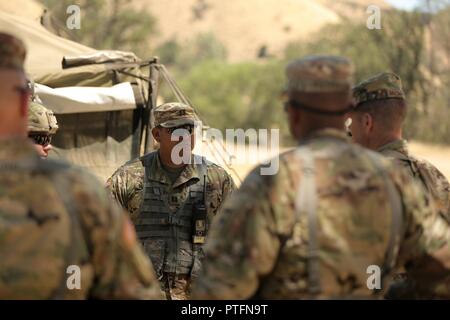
244, 27
30, 9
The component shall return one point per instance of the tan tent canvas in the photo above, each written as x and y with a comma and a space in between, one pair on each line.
84, 66
98, 135
45, 50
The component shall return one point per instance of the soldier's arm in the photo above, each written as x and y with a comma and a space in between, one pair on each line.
242, 245
228, 186
121, 269
117, 186
125, 186
425, 250
129, 274
222, 184
442, 189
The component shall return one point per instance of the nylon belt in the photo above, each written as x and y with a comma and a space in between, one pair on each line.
306, 203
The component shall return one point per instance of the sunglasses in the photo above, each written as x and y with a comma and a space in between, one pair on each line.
41, 139
189, 128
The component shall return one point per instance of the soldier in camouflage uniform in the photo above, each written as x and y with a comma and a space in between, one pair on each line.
333, 210
42, 125
172, 205
377, 119
60, 238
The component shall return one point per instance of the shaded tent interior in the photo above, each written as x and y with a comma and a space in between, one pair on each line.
103, 138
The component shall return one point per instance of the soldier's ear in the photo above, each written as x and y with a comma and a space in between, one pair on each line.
368, 122
24, 106
24, 103
156, 134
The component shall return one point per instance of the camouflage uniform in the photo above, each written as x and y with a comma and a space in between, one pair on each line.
165, 214
426, 174
388, 86
332, 210
53, 216
384, 86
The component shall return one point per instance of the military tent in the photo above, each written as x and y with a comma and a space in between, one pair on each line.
100, 98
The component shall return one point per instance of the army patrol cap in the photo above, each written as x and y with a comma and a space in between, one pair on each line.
386, 85
320, 74
41, 120
12, 52
173, 114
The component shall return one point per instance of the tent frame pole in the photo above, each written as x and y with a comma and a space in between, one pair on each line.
151, 103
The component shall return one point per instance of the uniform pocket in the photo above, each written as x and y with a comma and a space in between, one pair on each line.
198, 256
155, 249
214, 199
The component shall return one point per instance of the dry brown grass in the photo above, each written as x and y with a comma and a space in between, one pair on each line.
30, 9
244, 26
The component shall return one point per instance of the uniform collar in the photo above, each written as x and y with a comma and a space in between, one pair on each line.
14, 149
157, 172
396, 145
326, 133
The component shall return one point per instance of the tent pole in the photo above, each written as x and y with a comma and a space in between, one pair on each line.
151, 103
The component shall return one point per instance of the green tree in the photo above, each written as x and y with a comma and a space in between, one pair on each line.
203, 47
243, 95
169, 52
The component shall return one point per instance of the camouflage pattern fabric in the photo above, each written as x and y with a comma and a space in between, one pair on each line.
438, 188
40, 230
320, 74
258, 248
126, 186
424, 173
41, 119
173, 114
386, 85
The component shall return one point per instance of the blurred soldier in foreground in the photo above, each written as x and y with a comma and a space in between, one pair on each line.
331, 216
172, 204
377, 119
42, 125
60, 238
